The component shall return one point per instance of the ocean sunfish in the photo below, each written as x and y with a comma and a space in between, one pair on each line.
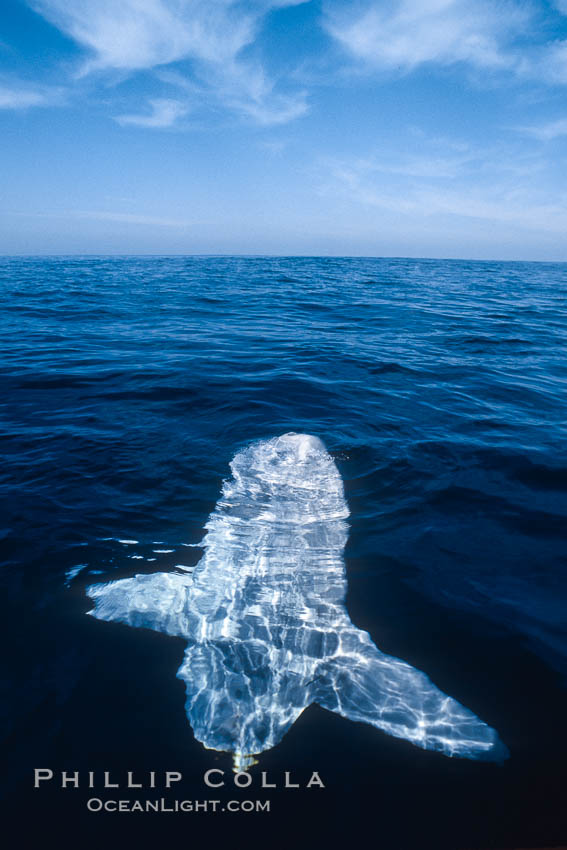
264, 617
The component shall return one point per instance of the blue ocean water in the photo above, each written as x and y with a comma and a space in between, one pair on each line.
439, 387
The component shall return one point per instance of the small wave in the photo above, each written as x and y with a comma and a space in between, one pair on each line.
73, 572
392, 368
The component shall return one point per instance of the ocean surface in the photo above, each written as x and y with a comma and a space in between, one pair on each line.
440, 389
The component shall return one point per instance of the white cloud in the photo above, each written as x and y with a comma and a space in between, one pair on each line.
402, 34
551, 65
131, 218
432, 166
548, 131
108, 215
244, 87
247, 88
139, 34
207, 49
19, 99
18, 96
164, 113
482, 186
135, 35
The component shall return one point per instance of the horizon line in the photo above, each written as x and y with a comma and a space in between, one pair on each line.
226, 255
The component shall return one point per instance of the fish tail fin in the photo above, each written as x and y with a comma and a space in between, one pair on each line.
370, 687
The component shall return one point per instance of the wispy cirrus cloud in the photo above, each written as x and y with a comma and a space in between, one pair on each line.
248, 89
110, 216
206, 38
401, 35
13, 98
487, 185
141, 34
164, 112
547, 131
17, 95
210, 49
550, 64
242, 87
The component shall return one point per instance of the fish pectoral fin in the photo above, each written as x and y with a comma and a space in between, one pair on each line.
156, 601
370, 687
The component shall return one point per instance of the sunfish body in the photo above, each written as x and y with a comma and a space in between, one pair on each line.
263, 613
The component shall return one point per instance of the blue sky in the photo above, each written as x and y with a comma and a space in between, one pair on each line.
367, 127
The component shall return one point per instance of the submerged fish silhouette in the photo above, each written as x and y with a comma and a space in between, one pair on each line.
263, 613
